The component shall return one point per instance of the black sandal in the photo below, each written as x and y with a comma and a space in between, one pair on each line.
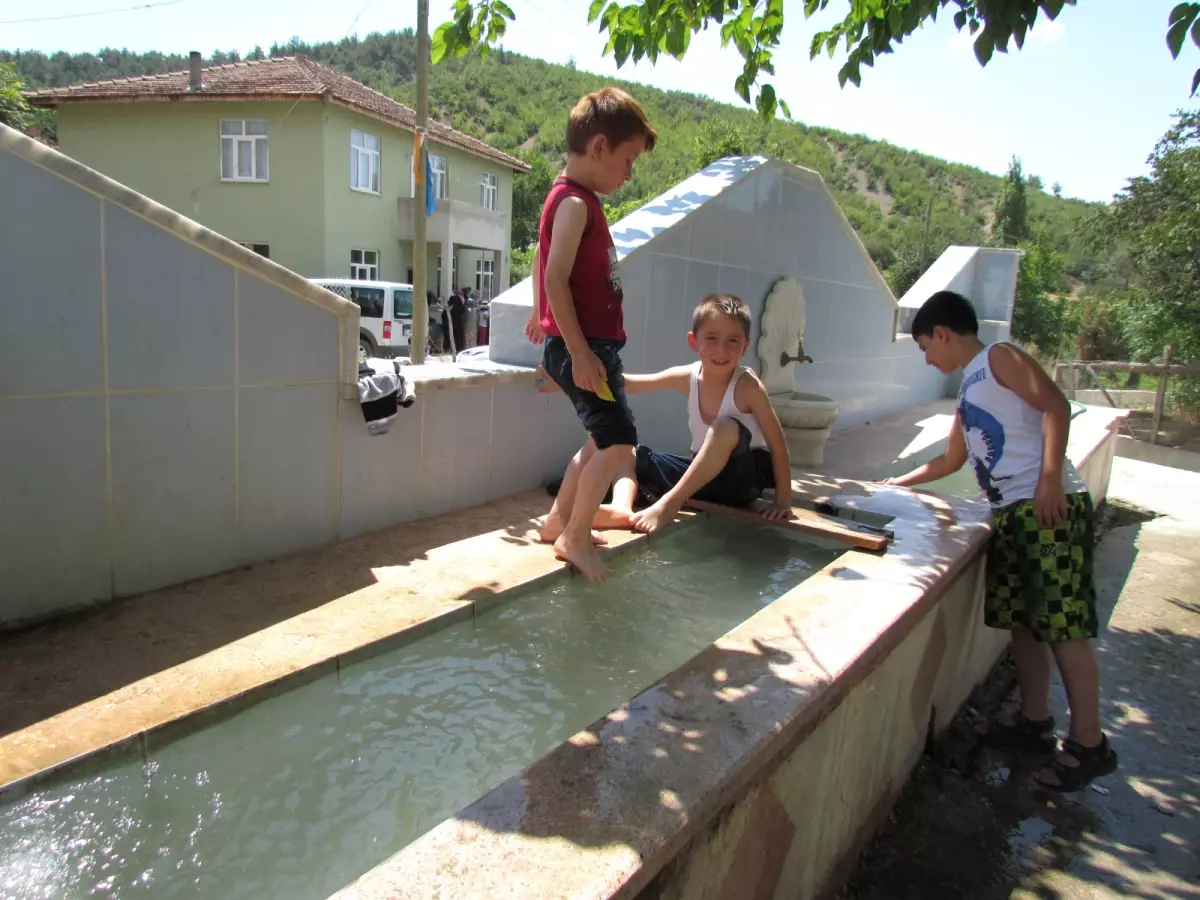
1092, 763
1022, 734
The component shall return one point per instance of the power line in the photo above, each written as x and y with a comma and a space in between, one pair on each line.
362, 10
101, 12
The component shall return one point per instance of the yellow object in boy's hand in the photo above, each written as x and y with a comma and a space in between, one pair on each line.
605, 393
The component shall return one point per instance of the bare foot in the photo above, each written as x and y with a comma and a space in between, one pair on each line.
652, 518
609, 516
551, 527
583, 556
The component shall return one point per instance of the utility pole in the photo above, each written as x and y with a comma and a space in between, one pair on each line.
420, 324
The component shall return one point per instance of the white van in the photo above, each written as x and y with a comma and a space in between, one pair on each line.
385, 320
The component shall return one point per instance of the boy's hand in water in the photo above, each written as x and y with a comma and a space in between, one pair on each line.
777, 513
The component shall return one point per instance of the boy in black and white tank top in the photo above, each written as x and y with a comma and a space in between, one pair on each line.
738, 447
1011, 425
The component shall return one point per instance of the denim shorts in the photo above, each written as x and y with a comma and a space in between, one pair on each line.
608, 422
745, 476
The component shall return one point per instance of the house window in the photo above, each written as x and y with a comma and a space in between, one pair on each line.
364, 265
440, 182
440, 185
364, 162
488, 191
260, 249
243, 149
484, 269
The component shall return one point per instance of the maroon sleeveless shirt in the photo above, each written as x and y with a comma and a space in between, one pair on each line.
595, 280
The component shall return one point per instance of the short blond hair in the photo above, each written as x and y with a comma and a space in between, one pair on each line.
721, 305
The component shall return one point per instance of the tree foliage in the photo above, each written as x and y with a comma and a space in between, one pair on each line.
14, 111
645, 29
717, 139
520, 105
1012, 211
1038, 317
1157, 219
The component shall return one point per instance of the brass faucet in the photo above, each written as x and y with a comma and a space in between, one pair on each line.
784, 358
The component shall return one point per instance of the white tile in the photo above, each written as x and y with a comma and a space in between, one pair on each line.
518, 452
382, 483
50, 256
282, 337
287, 469
170, 308
454, 448
708, 234
173, 492
702, 278
52, 530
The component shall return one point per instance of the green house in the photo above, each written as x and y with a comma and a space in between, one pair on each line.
300, 163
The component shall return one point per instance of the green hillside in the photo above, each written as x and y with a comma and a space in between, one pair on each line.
519, 105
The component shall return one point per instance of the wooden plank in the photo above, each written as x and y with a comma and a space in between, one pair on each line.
805, 521
1176, 368
1103, 390
1160, 395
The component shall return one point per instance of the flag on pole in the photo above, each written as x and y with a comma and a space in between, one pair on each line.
430, 199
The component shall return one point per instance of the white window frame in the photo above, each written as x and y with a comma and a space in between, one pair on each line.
364, 265
485, 276
441, 171
250, 133
489, 191
364, 153
441, 180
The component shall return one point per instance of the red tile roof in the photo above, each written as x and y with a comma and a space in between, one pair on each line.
287, 78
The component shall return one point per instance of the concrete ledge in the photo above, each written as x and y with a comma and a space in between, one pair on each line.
1131, 448
476, 373
376, 591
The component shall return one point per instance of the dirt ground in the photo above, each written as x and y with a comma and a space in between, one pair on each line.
972, 824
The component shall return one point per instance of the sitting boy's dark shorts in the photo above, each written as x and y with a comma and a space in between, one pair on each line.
746, 475
608, 422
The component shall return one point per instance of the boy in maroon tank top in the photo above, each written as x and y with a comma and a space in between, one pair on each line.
577, 291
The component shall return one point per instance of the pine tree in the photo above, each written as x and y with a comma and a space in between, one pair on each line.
1012, 216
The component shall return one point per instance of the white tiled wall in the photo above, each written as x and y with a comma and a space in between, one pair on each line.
453, 448
166, 413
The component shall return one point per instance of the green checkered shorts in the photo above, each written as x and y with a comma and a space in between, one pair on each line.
1041, 578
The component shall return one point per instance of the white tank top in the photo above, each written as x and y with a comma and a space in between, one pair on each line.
1004, 437
728, 410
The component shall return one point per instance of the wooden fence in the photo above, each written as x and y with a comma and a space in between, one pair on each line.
1166, 369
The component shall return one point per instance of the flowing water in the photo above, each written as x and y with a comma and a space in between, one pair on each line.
300, 794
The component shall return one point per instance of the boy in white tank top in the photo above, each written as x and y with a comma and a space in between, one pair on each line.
1011, 425
738, 447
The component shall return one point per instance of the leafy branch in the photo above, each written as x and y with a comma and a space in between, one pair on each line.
645, 29
1184, 17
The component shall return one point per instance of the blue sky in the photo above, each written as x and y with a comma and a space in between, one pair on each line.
1082, 104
